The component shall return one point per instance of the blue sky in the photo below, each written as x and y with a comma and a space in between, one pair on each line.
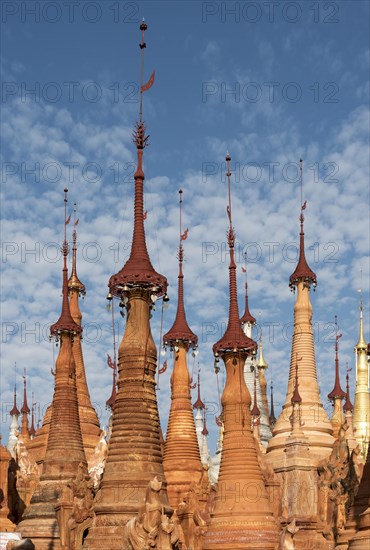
271, 83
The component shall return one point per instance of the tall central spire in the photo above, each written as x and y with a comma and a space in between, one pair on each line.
181, 459
134, 453
237, 521
138, 271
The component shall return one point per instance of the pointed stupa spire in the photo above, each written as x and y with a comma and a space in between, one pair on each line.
261, 363
14, 411
32, 428
25, 408
337, 392
247, 524
74, 282
361, 344
348, 415
180, 330
296, 398
234, 338
65, 323
295, 418
199, 403
348, 407
272, 411
205, 431
138, 270
302, 272
89, 420
255, 410
14, 414
247, 316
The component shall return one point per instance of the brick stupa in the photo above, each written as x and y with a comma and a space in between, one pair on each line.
40, 523
89, 421
241, 517
181, 460
134, 453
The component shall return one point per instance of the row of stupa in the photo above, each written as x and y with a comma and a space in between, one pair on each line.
297, 483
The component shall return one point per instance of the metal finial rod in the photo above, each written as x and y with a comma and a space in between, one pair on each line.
180, 202
228, 173
142, 45
75, 222
245, 272
301, 179
65, 214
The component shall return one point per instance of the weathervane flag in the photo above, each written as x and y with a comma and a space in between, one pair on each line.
149, 84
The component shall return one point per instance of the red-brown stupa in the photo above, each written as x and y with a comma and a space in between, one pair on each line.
181, 459
134, 452
241, 517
